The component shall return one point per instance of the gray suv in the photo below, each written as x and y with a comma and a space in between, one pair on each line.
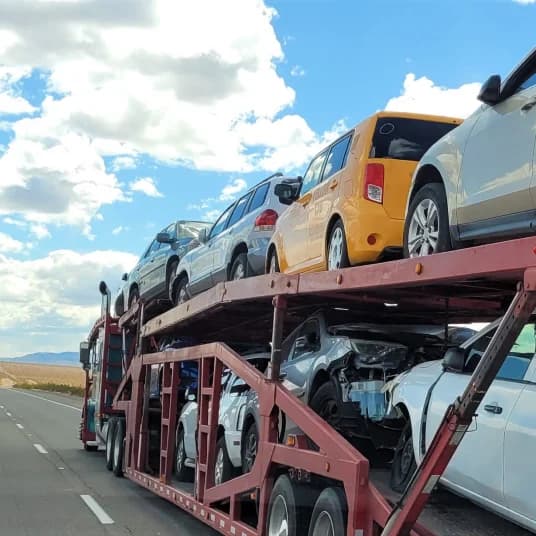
236, 245
150, 278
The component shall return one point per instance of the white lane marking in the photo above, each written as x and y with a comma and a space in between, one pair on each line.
8, 414
46, 399
96, 508
40, 448
20, 427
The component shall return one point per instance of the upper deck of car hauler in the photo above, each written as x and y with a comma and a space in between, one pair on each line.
476, 284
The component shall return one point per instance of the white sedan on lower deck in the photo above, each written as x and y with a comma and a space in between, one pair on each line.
494, 464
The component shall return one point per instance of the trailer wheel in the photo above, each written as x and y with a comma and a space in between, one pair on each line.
329, 514
183, 473
223, 469
110, 443
249, 447
289, 508
119, 437
404, 463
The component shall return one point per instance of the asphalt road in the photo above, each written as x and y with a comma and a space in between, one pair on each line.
47, 479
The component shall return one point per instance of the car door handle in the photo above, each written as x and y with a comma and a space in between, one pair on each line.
493, 408
333, 185
528, 106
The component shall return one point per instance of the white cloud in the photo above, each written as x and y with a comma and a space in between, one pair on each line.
123, 162
16, 223
39, 231
145, 185
119, 229
11, 102
56, 294
9, 244
422, 95
525, 2
297, 70
211, 215
232, 189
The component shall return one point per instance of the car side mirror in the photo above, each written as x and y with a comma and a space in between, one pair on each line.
84, 354
285, 192
203, 236
454, 360
124, 277
164, 238
490, 92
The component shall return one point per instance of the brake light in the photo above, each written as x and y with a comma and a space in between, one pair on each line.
265, 221
373, 190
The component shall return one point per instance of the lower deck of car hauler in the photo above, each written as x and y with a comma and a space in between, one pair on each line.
476, 284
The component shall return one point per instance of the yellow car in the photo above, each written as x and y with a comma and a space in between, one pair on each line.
351, 203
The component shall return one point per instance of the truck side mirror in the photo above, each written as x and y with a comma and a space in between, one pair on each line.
84, 354
454, 360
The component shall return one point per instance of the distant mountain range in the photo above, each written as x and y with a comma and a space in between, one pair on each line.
69, 359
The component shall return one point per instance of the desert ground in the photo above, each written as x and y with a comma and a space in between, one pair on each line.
26, 373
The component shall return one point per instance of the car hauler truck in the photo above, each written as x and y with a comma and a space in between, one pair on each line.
315, 482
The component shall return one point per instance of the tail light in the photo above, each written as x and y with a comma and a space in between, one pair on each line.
373, 190
265, 221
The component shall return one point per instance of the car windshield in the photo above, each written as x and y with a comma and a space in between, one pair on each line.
406, 139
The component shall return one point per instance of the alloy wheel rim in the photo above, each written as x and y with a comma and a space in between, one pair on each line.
117, 446
324, 525
335, 249
251, 451
278, 522
406, 458
423, 233
272, 265
218, 467
239, 272
180, 456
182, 295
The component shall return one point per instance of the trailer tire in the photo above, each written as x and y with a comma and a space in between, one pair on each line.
110, 443
290, 505
330, 514
183, 473
223, 469
249, 447
119, 449
404, 463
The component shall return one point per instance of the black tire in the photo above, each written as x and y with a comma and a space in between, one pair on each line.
119, 448
295, 501
226, 467
239, 266
133, 297
181, 294
326, 403
249, 447
344, 261
110, 443
330, 510
434, 192
273, 258
404, 463
171, 276
90, 448
183, 473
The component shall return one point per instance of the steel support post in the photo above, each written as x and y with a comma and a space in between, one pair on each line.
459, 415
280, 309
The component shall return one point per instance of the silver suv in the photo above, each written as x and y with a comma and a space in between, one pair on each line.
150, 278
236, 245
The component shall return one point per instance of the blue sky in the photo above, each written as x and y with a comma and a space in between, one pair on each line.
113, 123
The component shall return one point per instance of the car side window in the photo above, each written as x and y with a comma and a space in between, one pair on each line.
259, 197
312, 175
518, 359
171, 229
220, 225
307, 341
529, 81
151, 249
337, 157
239, 209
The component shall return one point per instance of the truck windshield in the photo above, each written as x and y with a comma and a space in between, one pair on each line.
406, 139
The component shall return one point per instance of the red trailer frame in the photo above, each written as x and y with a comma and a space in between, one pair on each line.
467, 285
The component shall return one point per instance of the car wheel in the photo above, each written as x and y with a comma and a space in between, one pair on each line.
90, 448
325, 402
249, 447
133, 297
171, 276
181, 293
337, 253
183, 473
404, 463
239, 268
426, 230
289, 508
273, 264
119, 438
110, 443
329, 514
223, 469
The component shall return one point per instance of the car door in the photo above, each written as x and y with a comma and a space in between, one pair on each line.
145, 269
497, 165
477, 467
324, 198
203, 257
300, 358
295, 234
156, 275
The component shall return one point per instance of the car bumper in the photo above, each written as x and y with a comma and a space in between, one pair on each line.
257, 254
